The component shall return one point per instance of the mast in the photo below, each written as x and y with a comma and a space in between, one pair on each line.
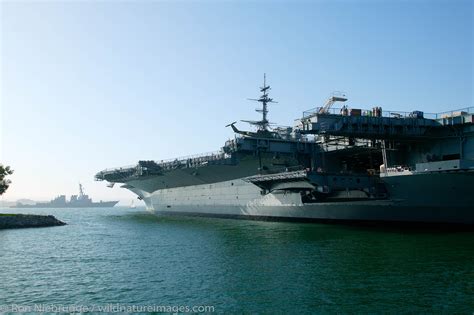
264, 99
81, 191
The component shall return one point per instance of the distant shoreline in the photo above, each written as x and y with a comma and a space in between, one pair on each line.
17, 221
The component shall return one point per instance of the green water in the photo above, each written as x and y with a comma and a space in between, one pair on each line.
130, 257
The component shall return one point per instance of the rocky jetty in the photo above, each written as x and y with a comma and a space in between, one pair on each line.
14, 221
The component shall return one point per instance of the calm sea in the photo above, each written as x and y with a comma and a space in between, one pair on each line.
130, 257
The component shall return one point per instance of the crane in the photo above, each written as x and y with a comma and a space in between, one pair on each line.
335, 97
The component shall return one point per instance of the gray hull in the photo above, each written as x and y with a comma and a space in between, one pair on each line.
105, 204
449, 199
353, 212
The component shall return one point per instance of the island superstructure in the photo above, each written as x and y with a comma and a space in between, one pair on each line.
76, 201
334, 164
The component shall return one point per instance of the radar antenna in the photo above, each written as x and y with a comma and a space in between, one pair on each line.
264, 99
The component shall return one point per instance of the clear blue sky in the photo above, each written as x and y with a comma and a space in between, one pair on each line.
88, 85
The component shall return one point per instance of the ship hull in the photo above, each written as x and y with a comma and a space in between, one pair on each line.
240, 199
106, 204
344, 213
341, 211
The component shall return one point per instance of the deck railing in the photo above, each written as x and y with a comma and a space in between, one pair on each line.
190, 160
191, 157
390, 113
121, 168
451, 113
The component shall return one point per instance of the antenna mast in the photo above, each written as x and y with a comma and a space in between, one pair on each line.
81, 192
264, 99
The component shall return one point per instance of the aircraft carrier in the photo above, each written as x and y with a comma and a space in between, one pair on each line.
334, 164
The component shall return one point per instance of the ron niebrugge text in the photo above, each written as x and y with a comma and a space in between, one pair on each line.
106, 308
